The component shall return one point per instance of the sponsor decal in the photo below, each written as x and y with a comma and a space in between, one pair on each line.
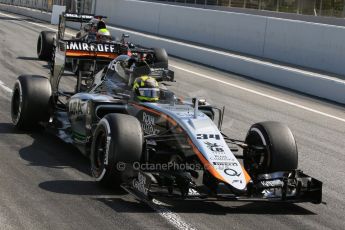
220, 158
148, 124
218, 152
193, 192
214, 147
142, 184
75, 107
184, 115
106, 157
236, 181
83, 46
231, 172
207, 136
77, 16
225, 164
112, 65
272, 183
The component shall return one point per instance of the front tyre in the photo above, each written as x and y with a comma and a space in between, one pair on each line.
117, 143
30, 102
280, 149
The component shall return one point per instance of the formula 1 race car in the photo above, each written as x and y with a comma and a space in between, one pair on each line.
166, 148
85, 53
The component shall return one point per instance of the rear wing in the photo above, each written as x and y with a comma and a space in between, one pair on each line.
82, 18
81, 49
71, 17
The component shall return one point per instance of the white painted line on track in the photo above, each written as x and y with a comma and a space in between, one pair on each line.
259, 93
4, 87
221, 81
170, 216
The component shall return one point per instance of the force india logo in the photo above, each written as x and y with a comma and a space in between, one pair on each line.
82, 46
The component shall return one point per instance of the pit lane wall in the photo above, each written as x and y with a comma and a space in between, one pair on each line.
310, 45
45, 16
296, 79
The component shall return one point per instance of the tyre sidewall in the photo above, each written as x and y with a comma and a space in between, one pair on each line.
100, 173
161, 58
282, 153
17, 95
34, 101
45, 45
123, 146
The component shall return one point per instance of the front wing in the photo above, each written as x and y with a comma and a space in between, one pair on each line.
292, 187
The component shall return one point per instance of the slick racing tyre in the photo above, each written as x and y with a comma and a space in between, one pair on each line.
280, 152
117, 143
161, 58
30, 103
45, 45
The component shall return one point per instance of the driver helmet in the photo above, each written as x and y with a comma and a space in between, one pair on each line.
92, 25
146, 89
103, 35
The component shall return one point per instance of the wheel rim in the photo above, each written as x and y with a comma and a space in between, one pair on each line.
39, 45
16, 106
255, 163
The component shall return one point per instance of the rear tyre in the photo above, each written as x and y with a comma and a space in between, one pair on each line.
280, 153
78, 35
30, 102
161, 58
117, 143
45, 45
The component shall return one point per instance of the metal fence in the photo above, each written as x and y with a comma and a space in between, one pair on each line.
80, 6
333, 8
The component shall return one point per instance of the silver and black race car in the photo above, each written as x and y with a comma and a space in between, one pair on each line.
171, 147
83, 52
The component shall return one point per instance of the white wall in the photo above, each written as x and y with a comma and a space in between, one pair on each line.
142, 16
303, 81
213, 28
306, 44
27, 12
311, 45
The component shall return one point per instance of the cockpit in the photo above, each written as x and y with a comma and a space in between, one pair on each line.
122, 72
